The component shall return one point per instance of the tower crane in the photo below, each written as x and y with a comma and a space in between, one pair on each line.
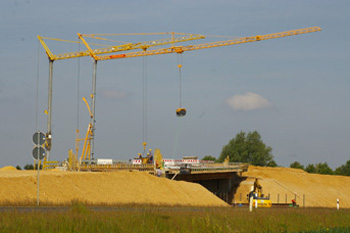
181, 49
109, 49
95, 54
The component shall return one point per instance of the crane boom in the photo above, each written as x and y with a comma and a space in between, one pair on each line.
181, 49
113, 49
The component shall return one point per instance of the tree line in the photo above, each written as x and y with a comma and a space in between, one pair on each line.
249, 148
323, 168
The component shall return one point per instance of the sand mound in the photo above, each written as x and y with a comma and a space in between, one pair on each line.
110, 188
283, 184
8, 168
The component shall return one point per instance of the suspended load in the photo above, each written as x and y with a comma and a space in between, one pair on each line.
180, 112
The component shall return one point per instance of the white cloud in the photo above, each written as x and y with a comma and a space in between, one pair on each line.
112, 94
248, 102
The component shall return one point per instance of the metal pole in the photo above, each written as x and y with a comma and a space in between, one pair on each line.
337, 204
38, 168
49, 110
93, 99
251, 199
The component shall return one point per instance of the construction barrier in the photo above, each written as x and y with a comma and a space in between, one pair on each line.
49, 165
118, 166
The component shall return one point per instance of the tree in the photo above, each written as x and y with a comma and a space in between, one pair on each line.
271, 163
209, 158
248, 148
343, 170
29, 167
323, 168
18, 167
296, 165
310, 168
320, 168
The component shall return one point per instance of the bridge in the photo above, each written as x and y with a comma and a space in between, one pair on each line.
220, 179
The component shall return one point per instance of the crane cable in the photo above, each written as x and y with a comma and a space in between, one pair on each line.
179, 65
78, 100
179, 125
37, 90
180, 112
144, 90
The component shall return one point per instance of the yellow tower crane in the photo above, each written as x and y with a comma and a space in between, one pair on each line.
175, 38
95, 54
181, 49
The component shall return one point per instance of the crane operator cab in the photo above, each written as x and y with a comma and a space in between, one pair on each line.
180, 112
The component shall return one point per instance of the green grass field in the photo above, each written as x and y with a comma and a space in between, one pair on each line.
81, 218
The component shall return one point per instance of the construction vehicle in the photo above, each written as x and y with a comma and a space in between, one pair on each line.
257, 196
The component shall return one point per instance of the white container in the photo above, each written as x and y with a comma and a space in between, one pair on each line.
104, 161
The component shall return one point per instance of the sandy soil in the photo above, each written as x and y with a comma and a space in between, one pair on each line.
112, 188
124, 187
286, 183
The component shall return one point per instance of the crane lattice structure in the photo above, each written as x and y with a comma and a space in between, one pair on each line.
95, 54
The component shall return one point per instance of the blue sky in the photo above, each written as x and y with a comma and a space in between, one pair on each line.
294, 91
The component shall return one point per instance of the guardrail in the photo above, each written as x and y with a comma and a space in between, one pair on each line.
49, 165
197, 168
113, 167
212, 168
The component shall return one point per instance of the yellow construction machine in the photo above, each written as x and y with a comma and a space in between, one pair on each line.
258, 198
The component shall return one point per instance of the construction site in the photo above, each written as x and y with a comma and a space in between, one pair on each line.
134, 187
162, 181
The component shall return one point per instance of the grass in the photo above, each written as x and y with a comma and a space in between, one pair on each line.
82, 218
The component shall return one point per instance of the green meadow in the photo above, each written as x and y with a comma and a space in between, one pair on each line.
82, 218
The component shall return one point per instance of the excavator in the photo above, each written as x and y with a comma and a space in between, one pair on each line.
258, 197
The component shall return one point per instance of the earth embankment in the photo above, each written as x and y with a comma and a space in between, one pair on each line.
284, 184
100, 188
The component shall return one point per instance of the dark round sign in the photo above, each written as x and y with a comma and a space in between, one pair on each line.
39, 138
38, 153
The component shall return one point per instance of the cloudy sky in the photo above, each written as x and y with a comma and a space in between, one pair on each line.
294, 91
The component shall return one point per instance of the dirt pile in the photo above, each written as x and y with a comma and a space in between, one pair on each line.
284, 184
8, 168
111, 188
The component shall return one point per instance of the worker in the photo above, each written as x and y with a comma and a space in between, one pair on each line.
294, 203
140, 156
150, 156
